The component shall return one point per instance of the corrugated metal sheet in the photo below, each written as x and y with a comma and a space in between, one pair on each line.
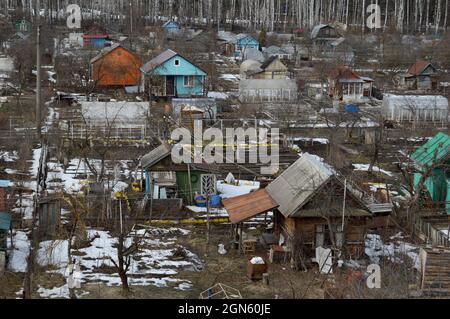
380, 208
155, 156
245, 207
157, 61
298, 183
438, 146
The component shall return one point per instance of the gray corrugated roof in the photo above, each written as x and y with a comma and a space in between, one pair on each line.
155, 156
273, 49
157, 61
268, 62
298, 183
317, 29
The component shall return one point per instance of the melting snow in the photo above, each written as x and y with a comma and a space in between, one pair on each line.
375, 249
365, 168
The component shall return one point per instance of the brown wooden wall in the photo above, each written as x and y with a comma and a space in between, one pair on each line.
305, 228
119, 67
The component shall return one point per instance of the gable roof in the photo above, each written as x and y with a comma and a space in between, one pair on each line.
273, 49
242, 36
156, 155
295, 187
315, 31
418, 67
107, 50
247, 206
171, 23
291, 191
298, 183
435, 151
342, 73
162, 58
268, 62
158, 60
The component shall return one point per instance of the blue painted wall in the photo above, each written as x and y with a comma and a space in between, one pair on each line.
98, 43
246, 43
197, 89
182, 69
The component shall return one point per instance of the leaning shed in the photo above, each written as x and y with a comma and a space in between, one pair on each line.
318, 208
415, 108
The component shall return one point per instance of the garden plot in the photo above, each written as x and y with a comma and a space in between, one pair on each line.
72, 178
157, 262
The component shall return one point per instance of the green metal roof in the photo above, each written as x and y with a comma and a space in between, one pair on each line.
435, 151
5, 221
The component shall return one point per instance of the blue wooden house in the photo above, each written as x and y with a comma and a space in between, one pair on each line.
171, 75
96, 37
243, 43
171, 27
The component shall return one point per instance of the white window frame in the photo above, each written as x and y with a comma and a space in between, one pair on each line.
190, 84
175, 62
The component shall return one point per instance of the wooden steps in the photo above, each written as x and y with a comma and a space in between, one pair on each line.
435, 281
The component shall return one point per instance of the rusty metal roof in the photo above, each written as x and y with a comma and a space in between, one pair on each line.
247, 206
418, 67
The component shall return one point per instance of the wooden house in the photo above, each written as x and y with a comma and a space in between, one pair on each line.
271, 69
323, 33
116, 66
95, 37
245, 42
421, 76
278, 52
171, 27
187, 180
432, 161
313, 207
348, 86
171, 75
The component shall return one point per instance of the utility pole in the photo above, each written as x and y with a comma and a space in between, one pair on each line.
131, 18
218, 17
38, 69
131, 23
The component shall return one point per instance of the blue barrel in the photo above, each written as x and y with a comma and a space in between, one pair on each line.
214, 200
200, 201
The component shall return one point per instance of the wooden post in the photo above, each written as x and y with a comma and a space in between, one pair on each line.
189, 182
240, 238
266, 279
38, 77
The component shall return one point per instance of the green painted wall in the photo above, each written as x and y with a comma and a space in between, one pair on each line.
183, 183
438, 185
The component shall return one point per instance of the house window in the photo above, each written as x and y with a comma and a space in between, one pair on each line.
323, 236
177, 62
189, 81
